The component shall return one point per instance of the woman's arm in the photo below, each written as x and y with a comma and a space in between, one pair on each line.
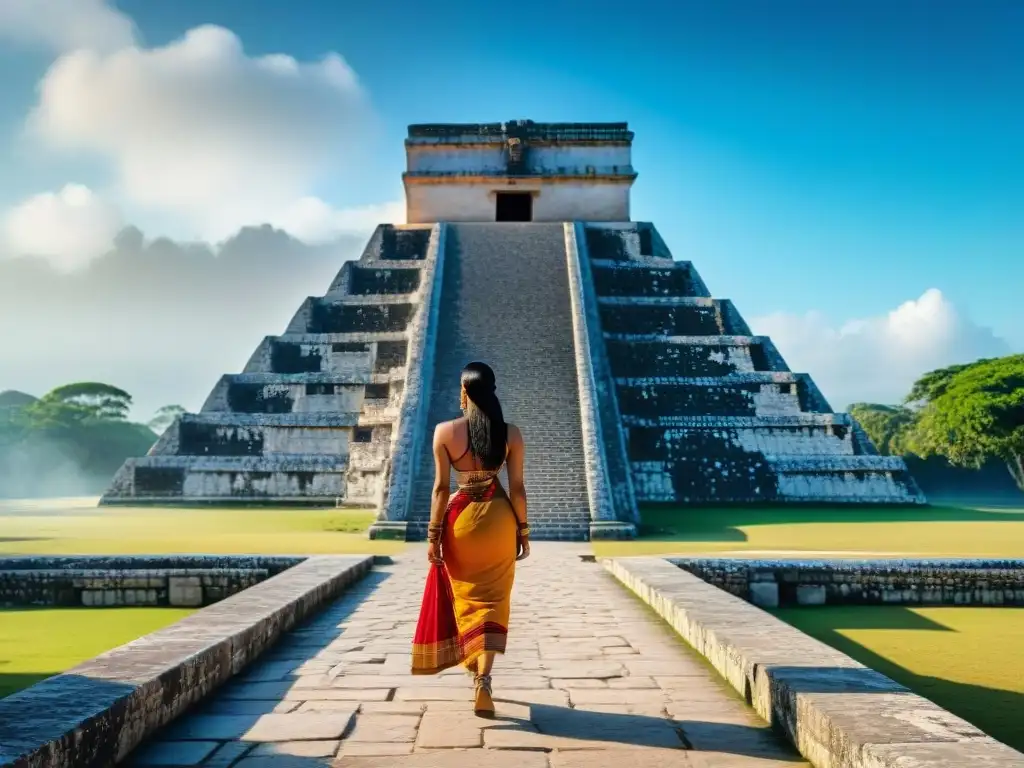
442, 484
516, 486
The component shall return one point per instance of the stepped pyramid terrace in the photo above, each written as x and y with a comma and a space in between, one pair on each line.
630, 382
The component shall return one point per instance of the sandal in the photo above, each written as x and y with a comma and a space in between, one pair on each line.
483, 704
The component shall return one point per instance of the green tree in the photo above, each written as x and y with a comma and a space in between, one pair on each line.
164, 417
104, 401
70, 406
934, 383
973, 413
889, 426
71, 440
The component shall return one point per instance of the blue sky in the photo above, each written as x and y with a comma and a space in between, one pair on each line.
838, 158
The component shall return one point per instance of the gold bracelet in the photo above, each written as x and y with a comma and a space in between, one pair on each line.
524, 531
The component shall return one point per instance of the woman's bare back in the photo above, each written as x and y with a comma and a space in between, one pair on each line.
455, 438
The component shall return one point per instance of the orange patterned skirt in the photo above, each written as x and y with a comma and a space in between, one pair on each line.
467, 600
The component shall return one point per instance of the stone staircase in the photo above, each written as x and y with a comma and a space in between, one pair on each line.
505, 301
712, 413
311, 419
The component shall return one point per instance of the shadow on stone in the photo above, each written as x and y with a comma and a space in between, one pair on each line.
551, 727
69, 717
996, 711
97, 713
251, 713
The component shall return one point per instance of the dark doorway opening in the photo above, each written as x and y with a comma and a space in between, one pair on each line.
514, 206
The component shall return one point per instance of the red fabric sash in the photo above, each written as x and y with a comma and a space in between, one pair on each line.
435, 646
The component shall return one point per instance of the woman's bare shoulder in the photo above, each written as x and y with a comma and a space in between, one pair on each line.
514, 435
445, 430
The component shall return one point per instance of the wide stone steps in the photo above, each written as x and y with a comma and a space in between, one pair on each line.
505, 301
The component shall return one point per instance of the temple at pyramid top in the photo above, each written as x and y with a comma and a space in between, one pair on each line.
518, 171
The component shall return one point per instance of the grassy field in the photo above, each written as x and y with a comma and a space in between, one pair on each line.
77, 526
36, 643
954, 531
967, 660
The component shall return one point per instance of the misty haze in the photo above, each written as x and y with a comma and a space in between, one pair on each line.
160, 319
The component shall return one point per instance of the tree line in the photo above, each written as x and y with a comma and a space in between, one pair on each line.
71, 440
969, 414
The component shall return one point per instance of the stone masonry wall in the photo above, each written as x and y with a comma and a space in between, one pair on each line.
140, 581
773, 584
630, 281
712, 413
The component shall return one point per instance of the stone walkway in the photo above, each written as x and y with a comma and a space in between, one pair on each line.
592, 679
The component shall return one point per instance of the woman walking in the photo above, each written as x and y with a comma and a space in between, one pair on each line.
474, 539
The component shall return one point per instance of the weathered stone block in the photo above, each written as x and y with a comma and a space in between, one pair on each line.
184, 591
810, 594
764, 594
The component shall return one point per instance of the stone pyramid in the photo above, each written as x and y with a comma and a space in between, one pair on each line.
630, 383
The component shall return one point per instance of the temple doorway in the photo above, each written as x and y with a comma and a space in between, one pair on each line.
514, 206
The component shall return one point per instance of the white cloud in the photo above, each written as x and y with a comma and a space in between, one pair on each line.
66, 25
69, 227
313, 221
200, 129
876, 359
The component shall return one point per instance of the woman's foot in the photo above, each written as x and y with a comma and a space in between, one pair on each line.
471, 668
483, 704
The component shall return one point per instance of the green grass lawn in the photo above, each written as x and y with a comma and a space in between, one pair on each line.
36, 643
954, 531
78, 526
966, 660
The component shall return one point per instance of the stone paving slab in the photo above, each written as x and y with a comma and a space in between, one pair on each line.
840, 713
592, 678
99, 711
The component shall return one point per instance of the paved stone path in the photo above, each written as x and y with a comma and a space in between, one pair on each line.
592, 679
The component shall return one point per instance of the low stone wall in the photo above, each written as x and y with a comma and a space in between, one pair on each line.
95, 714
185, 581
837, 712
773, 584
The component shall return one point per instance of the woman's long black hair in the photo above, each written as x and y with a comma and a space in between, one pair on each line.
488, 433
